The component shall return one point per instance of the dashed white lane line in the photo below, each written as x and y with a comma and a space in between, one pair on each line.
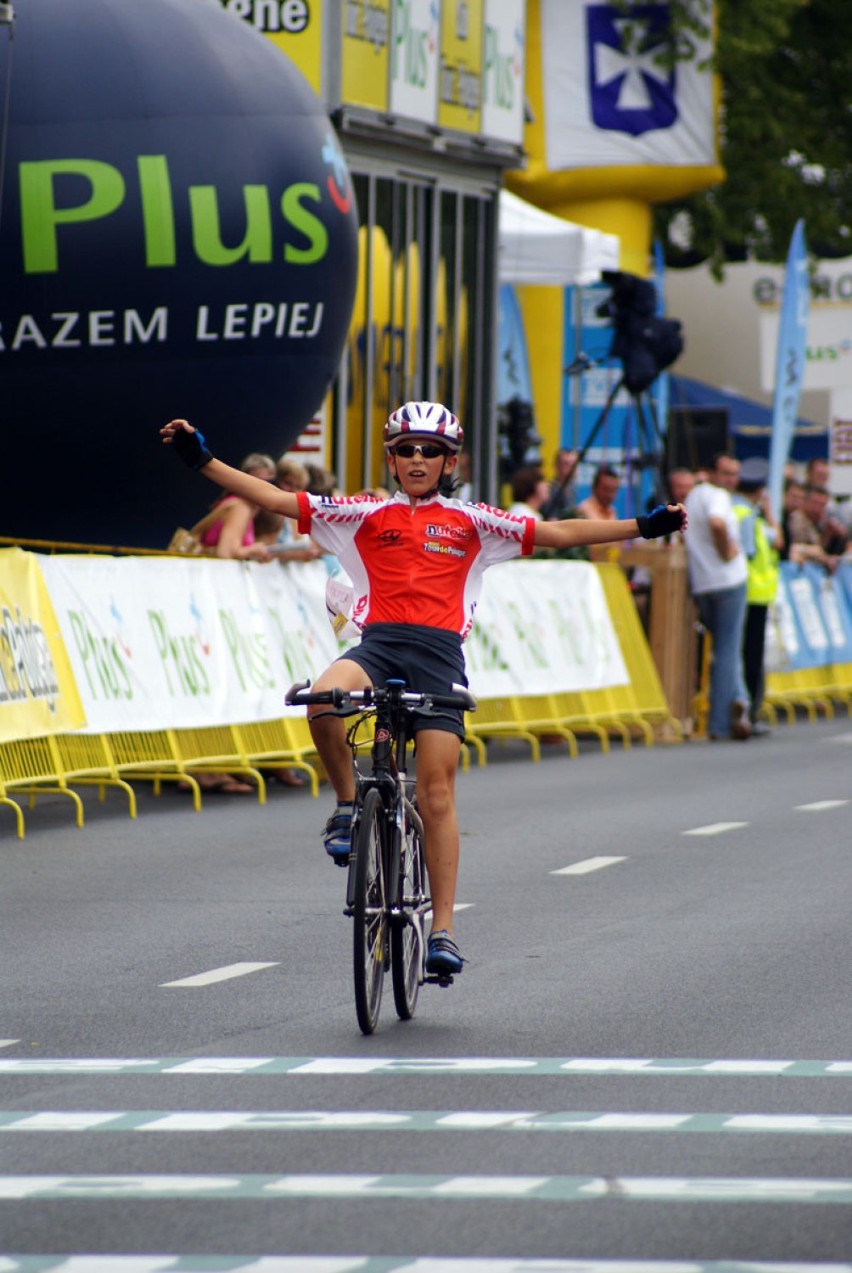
8, 1043
716, 828
819, 805
589, 864
219, 974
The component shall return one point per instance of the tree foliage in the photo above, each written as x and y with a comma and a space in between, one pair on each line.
785, 132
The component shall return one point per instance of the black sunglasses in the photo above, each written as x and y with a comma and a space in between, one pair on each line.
428, 450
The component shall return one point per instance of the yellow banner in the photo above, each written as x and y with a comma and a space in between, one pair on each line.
460, 75
38, 693
298, 34
364, 55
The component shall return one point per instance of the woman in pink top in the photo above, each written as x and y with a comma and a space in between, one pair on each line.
232, 536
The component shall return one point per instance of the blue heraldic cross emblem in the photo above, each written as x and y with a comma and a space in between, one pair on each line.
629, 91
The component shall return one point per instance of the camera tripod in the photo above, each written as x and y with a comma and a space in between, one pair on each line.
649, 438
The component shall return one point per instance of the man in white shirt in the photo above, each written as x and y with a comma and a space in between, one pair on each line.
717, 576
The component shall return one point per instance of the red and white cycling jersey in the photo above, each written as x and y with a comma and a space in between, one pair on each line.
420, 565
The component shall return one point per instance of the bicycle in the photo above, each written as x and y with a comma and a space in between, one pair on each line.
386, 891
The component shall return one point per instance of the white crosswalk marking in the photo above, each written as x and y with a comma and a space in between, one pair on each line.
825, 1190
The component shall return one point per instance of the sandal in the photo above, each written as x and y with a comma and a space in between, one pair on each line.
288, 778
232, 787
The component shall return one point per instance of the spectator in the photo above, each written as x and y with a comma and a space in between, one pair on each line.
290, 475
814, 534
600, 505
680, 483
717, 574
529, 492
232, 535
793, 500
760, 537
256, 464
320, 481
562, 499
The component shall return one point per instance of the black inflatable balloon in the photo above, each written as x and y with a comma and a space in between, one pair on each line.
178, 237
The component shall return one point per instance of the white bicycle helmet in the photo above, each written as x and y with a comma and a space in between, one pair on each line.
424, 420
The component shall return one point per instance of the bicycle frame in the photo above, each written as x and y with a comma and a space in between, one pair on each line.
389, 776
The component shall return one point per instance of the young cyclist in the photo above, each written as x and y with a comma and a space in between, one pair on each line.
416, 562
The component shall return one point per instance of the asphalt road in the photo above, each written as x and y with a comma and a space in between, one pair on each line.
646, 1060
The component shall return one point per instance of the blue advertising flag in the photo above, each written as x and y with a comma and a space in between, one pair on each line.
789, 363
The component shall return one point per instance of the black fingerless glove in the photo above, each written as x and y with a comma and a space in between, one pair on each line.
192, 448
660, 521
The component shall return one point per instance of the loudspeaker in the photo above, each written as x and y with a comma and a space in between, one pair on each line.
695, 435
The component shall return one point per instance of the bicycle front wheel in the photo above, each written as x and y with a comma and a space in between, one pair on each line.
407, 932
369, 913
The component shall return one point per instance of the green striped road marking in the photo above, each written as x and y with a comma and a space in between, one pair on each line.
446, 1188
414, 1120
383, 1264
357, 1066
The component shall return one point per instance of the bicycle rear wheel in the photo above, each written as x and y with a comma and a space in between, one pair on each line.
407, 931
369, 913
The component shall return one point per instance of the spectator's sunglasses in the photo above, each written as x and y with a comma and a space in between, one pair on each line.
428, 450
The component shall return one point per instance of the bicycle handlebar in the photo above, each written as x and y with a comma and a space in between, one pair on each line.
377, 696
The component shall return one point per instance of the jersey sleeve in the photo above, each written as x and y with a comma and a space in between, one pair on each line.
333, 521
502, 535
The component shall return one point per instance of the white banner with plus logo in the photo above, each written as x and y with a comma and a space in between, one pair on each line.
611, 97
543, 627
157, 643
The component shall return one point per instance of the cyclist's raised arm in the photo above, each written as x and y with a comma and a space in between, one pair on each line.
191, 446
576, 531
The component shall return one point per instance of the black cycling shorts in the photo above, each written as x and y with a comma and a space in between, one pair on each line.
427, 659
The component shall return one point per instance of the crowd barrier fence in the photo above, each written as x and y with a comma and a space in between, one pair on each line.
156, 669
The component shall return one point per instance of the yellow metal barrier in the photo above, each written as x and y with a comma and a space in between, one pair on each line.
31, 766
216, 749
151, 756
85, 760
642, 703
276, 744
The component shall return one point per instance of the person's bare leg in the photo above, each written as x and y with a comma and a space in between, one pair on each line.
437, 764
329, 732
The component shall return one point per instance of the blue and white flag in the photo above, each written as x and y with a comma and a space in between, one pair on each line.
789, 363
612, 99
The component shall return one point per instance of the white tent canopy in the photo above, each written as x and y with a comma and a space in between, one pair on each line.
539, 249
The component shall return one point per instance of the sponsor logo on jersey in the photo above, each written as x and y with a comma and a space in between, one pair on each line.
446, 550
449, 532
390, 537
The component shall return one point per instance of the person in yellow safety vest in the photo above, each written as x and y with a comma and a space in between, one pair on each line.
760, 536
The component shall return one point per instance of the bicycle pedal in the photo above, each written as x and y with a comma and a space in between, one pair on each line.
435, 979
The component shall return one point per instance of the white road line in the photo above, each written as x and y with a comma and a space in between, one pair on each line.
219, 974
8, 1043
390, 1264
842, 738
695, 1189
369, 1065
819, 805
716, 828
587, 865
